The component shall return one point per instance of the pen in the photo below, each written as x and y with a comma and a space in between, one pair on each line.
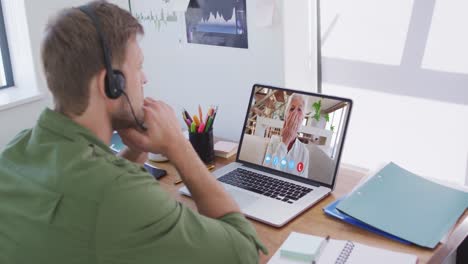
178, 180
196, 120
188, 116
210, 112
215, 112
320, 250
192, 127
200, 113
187, 121
201, 128
209, 124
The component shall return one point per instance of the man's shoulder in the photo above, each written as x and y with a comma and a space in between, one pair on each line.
22, 136
94, 168
73, 167
302, 147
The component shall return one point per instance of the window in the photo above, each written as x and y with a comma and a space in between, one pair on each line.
17, 64
404, 64
6, 74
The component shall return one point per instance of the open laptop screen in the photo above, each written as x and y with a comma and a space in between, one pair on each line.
296, 133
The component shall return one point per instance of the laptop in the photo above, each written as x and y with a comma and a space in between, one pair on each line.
288, 155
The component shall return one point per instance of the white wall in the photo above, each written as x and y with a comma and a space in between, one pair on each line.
405, 65
185, 75
24, 116
224, 76
300, 44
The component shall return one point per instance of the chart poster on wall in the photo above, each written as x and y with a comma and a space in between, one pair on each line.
158, 14
217, 22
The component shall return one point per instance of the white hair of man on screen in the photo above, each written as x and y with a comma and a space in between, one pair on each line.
290, 99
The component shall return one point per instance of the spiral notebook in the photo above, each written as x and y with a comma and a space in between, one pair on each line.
348, 252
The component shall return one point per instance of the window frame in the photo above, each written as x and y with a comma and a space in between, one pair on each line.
5, 52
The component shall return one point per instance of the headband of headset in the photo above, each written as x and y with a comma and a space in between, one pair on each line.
115, 81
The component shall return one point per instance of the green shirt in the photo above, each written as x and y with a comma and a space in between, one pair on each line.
65, 198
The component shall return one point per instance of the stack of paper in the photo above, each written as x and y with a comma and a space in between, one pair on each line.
225, 149
301, 247
406, 206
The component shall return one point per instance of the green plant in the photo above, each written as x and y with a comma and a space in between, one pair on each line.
318, 108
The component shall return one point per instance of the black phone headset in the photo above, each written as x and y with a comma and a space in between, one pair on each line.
115, 79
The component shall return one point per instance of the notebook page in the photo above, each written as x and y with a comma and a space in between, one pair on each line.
366, 254
332, 251
360, 253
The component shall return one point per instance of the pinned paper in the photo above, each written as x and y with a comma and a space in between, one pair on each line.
265, 11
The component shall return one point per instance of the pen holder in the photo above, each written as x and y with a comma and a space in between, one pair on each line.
203, 145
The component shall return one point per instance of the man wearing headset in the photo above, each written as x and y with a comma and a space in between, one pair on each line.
67, 199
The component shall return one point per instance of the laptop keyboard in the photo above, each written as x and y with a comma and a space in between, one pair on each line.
267, 186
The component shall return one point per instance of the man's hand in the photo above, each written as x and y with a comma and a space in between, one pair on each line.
132, 152
163, 130
164, 136
290, 127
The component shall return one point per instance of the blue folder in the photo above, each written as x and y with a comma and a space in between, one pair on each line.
331, 210
406, 205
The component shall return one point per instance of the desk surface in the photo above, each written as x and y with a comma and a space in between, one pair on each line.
315, 222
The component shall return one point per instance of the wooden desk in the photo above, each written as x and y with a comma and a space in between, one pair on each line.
315, 222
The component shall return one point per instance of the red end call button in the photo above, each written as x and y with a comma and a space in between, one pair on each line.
300, 167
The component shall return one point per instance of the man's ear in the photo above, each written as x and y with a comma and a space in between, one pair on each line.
101, 82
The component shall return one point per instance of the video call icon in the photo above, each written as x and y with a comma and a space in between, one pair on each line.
300, 167
284, 162
275, 161
292, 164
267, 159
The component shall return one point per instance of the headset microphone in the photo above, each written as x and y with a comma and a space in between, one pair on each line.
139, 123
115, 79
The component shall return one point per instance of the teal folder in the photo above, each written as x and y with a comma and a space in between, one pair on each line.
406, 205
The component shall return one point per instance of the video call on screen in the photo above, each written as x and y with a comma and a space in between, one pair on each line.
294, 133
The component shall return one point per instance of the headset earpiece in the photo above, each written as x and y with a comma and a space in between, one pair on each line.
119, 78
116, 87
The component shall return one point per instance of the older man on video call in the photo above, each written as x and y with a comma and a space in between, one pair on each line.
286, 152
65, 198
